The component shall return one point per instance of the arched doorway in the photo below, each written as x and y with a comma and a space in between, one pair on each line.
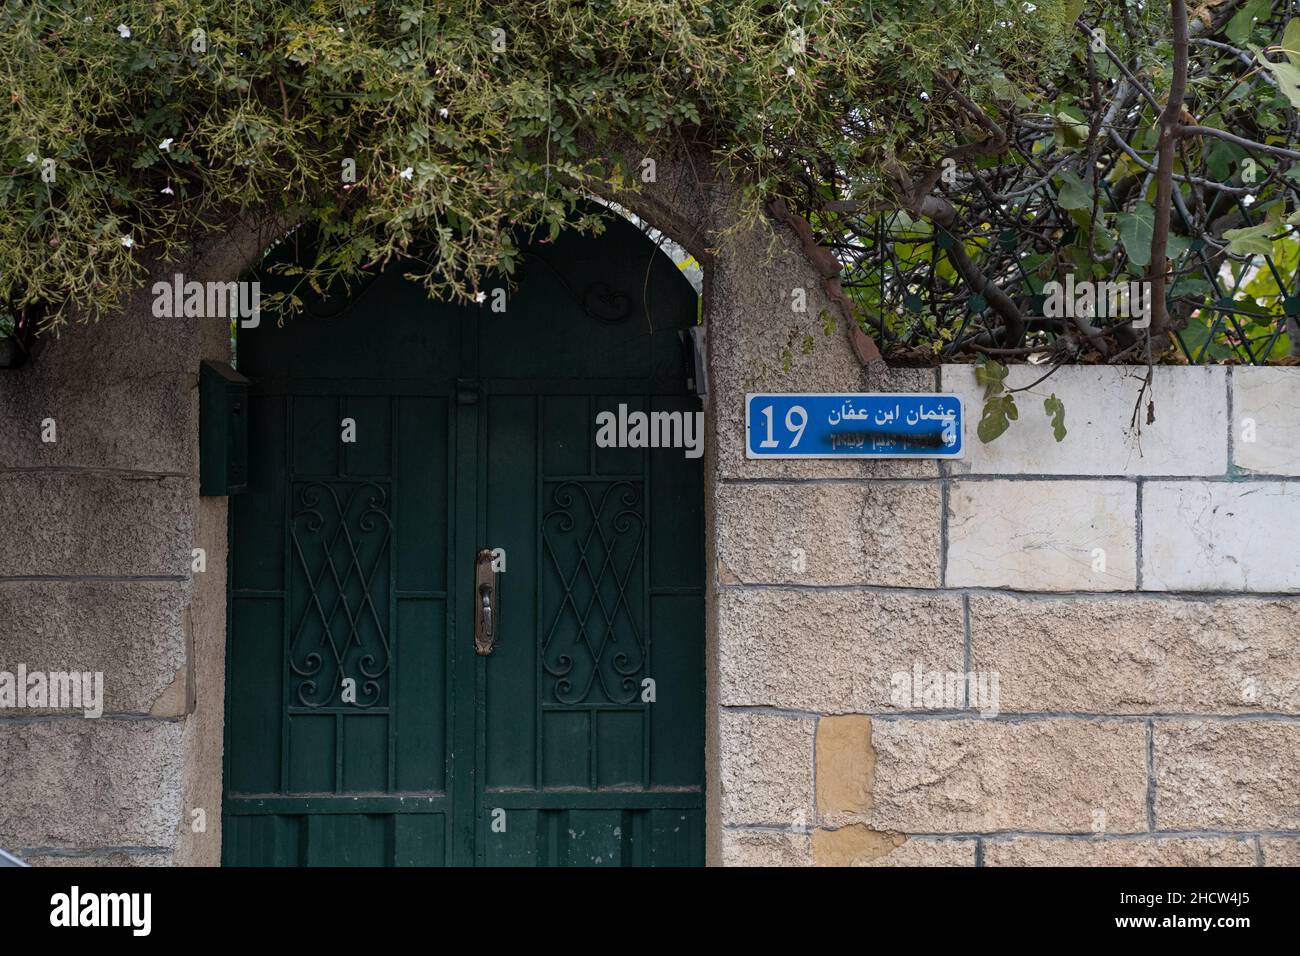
390, 446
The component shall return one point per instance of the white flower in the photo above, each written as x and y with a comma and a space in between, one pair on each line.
1248, 200
480, 296
166, 144
31, 157
407, 173
789, 71
444, 112
168, 191
128, 241
123, 31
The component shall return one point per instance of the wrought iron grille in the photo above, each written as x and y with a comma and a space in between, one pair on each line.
1239, 329
594, 642
339, 647
1233, 320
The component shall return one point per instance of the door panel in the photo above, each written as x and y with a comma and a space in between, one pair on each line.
338, 660
607, 606
361, 727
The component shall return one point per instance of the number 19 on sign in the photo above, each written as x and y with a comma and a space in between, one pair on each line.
796, 420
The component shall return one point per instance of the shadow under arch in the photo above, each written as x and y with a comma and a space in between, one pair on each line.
619, 286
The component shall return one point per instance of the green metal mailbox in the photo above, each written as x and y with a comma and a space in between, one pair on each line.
223, 430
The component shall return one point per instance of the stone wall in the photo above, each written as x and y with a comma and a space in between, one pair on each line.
97, 535
1136, 595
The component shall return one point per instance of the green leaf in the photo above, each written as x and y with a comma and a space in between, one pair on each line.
1239, 27
991, 426
1102, 238
992, 374
1070, 131
1082, 260
1031, 262
1135, 231
1177, 246
1286, 73
1071, 10
1197, 337
1190, 285
1004, 89
1055, 409
1291, 41
998, 414
1219, 158
1074, 192
1250, 240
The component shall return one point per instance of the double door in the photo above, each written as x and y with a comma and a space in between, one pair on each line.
460, 630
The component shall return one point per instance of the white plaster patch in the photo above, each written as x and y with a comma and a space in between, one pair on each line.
1266, 420
1220, 536
1043, 535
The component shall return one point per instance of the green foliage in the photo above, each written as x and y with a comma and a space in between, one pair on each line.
1000, 404
1250, 239
458, 133
999, 412
1074, 193
1243, 21
1135, 230
1286, 72
992, 375
1055, 409
1071, 191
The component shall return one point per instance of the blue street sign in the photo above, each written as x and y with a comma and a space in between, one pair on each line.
854, 425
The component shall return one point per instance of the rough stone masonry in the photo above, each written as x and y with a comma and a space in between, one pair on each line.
1136, 595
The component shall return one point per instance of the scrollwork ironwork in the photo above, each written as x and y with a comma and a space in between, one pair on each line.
594, 535
340, 536
598, 299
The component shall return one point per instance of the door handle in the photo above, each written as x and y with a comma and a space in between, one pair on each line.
487, 620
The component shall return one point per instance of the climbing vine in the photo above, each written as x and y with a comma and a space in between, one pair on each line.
424, 130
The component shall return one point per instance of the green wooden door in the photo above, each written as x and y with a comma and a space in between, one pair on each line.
391, 440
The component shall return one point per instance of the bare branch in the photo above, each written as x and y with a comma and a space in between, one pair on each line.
1239, 140
1165, 171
